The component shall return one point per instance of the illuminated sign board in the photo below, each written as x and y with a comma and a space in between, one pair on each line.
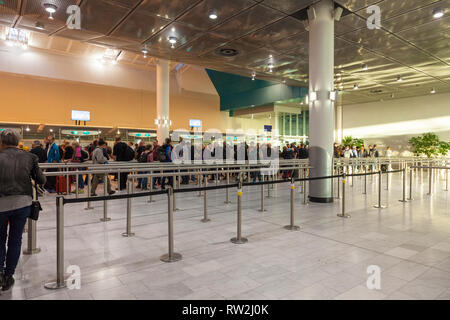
195, 123
81, 115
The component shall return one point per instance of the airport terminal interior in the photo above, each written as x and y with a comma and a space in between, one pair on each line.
228, 149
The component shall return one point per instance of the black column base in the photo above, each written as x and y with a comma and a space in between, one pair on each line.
321, 200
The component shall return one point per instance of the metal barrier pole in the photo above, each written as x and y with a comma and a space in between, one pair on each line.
239, 239
60, 280
446, 178
105, 203
128, 232
31, 240
171, 256
205, 204
88, 206
304, 187
338, 184
343, 214
76, 185
227, 192
150, 200
365, 179
67, 182
175, 184
404, 185
379, 206
262, 196
411, 183
292, 226
269, 186
430, 180
199, 183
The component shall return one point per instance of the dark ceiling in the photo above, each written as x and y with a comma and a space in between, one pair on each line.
411, 43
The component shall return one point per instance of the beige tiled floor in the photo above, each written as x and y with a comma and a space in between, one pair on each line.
327, 259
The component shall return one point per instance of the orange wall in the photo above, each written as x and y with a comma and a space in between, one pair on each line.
27, 99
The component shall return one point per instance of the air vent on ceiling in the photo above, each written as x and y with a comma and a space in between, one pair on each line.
228, 52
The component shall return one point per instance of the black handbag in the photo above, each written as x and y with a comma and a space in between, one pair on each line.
35, 206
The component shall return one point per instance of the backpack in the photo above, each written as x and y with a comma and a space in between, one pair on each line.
129, 154
162, 154
144, 157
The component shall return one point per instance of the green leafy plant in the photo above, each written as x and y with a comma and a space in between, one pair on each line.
350, 141
430, 145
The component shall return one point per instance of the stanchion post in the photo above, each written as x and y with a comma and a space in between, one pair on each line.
292, 226
430, 180
343, 214
262, 196
411, 183
88, 205
239, 239
31, 240
60, 276
175, 184
365, 179
446, 178
105, 202
305, 201
227, 191
150, 199
404, 185
205, 204
379, 206
171, 256
128, 232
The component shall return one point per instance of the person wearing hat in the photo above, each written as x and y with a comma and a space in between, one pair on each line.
36, 148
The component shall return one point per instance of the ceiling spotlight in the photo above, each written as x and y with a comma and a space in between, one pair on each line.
399, 79
172, 41
50, 8
365, 67
355, 87
253, 75
39, 25
433, 91
27, 129
392, 95
145, 51
438, 13
270, 65
213, 15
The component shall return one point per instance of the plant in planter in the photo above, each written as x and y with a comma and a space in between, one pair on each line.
350, 142
430, 145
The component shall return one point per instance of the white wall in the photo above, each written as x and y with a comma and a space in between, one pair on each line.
394, 122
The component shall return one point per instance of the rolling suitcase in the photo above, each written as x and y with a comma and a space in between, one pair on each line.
61, 185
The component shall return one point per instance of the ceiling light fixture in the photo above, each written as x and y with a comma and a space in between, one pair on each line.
355, 87
438, 13
433, 91
284, 81
253, 75
365, 67
172, 41
50, 8
399, 79
213, 15
51, 130
145, 51
27, 129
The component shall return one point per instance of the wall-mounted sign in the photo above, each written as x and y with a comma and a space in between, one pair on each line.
81, 115
195, 123
268, 128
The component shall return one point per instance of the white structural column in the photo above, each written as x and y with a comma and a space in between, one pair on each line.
321, 111
339, 119
162, 100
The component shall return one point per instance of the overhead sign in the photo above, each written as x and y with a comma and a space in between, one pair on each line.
195, 123
268, 128
81, 115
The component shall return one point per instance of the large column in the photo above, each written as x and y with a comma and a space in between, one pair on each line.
321, 111
162, 99
339, 119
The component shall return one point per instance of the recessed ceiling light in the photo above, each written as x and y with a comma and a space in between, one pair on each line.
433, 91
399, 79
355, 87
365, 67
213, 15
438, 13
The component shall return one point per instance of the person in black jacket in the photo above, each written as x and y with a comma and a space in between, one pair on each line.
39, 151
17, 169
119, 153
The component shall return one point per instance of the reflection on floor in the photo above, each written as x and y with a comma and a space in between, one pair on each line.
327, 259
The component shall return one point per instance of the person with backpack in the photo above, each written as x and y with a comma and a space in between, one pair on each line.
79, 156
144, 158
99, 158
123, 152
165, 155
